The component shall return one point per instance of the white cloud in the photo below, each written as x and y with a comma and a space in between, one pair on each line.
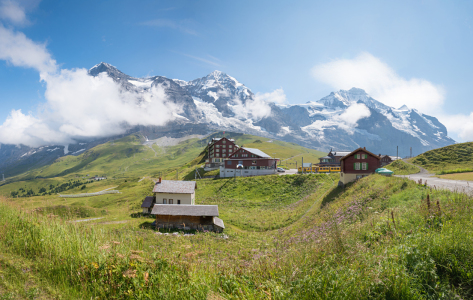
460, 124
276, 96
77, 105
13, 12
349, 118
381, 82
255, 109
20, 51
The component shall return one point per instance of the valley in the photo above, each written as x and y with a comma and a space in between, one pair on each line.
285, 237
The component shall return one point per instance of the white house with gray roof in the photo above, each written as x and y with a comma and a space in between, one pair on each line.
174, 192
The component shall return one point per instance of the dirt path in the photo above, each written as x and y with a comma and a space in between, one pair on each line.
461, 186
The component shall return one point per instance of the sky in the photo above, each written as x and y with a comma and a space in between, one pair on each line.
416, 53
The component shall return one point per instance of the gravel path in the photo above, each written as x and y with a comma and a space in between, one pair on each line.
461, 186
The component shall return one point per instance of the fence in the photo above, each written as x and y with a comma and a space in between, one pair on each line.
89, 194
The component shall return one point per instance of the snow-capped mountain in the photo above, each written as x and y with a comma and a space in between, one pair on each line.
343, 120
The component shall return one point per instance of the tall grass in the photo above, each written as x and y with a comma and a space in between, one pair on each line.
381, 238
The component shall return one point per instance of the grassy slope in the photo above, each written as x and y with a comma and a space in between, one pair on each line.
449, 158
379, 239
128, 158
401, 168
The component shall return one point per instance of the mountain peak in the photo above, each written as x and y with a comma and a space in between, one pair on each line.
404, 107
102, 67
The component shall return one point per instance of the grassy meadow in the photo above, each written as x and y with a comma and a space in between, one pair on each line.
400, 167
456, 158
286, 237
380, 238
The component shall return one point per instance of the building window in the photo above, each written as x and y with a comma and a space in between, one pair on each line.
236, 155
164, 201
217, 155
230, 146
254, 162
263, 168
229, 162
364, 166
218, 146
178, 201
359, 176
364, 156
240, 162
357, 156
224, 142
224, 150
218, 150
253, 168
244, 155
224, 155
357, 166
170, 201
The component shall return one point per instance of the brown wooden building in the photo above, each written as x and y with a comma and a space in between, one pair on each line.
358, 164
248, 162
219, 149
186, 217
332, 158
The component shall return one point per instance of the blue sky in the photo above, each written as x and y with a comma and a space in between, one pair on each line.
301, 47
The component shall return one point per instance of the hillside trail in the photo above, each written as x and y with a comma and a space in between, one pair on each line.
460, 186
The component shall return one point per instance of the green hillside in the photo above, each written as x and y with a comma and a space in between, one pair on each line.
129, 158
453, 158
400, 167
286, 237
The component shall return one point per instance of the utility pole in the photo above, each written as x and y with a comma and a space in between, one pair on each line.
397, 152
302, 166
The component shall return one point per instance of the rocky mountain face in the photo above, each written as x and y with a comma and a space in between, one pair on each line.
343, 120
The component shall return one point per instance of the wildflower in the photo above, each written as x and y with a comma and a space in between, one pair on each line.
96, 265
129, 273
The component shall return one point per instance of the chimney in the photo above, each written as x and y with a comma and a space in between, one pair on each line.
364, 148
159, 180
379, 155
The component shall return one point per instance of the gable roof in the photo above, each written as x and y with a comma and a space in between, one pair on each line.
185, 210
175, 187
362, 149
256, 152
148, 202
340, 153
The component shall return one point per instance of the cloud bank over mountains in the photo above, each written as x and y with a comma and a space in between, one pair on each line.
79, 106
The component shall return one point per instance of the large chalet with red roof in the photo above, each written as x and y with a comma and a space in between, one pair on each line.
248, 162
358, 164
219, 149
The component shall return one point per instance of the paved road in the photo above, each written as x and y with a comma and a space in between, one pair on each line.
289, 172
453, 185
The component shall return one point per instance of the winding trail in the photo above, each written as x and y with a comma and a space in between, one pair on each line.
461, 186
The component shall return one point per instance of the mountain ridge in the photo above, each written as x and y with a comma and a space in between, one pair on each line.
344, 119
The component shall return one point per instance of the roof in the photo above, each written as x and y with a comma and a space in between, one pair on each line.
383, 171
218, 139
362, 149
340, 153
175, 187
148, 202
185, 210
326, 157
219, 222
256, 152
307, 165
